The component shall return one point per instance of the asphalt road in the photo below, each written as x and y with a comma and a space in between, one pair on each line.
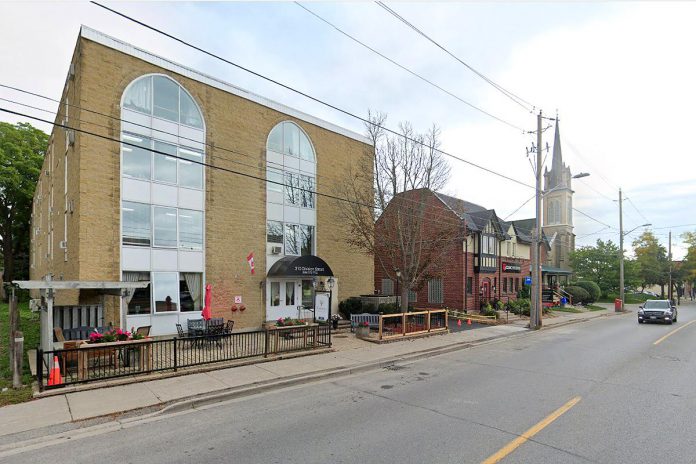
628, 400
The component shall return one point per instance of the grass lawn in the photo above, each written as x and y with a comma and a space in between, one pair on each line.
630, 298
566, 309
592, 307
29, 325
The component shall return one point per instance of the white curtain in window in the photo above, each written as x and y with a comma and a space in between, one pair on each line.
193, 281
134, 277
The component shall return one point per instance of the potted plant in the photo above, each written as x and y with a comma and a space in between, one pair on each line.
363, 329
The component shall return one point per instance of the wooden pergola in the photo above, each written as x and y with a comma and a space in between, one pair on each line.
48, 290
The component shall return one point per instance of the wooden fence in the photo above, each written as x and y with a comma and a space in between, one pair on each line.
392, 326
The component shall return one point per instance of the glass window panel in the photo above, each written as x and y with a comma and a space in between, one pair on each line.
190, 229
387, 287
292, 192
306, 151
412, 297
140, 302
275, 139
275, 293
307, 185
165, 226
189, 111
276, 178
190, 174
165, 166
136, 223
139, 96
492, 249
166, 289
291, 239
291, 139
191, 291
307, 238
484, 244
307, 294
274, 232
289, 293
136, 156
166, 98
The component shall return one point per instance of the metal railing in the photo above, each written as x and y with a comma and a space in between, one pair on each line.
102, 361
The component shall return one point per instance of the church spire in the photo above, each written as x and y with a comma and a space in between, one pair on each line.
559, 175
557, 162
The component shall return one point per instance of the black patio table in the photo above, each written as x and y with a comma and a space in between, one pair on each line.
208, 331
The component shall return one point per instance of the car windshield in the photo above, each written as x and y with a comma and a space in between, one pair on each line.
657, 304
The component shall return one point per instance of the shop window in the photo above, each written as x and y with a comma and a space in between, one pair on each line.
307, 294
166, 291
274, 232
275, 293
190, 291
135, 223
435, 291
139, 301
136, 156
387, 287
289, 293
165, 226
190, 229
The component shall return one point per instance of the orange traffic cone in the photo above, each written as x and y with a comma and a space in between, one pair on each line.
468, 322
459, 322
54, 377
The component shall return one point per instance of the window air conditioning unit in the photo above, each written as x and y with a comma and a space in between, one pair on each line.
275, 250
63, 244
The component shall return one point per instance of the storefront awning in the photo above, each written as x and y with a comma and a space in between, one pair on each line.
300, 266
555, 270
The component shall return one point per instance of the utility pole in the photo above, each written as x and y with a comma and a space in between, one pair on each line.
669, 256
621, 253
535, 313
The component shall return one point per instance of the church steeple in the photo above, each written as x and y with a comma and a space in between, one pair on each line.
559, 175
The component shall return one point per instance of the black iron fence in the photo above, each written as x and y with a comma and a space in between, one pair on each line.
89, 362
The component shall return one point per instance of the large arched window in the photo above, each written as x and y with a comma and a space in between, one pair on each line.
290, 199
162, 97
287, 138
554, 212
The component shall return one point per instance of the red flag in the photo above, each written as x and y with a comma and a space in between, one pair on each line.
208, 297
250, 260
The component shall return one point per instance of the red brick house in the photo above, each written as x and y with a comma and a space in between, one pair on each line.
485, 259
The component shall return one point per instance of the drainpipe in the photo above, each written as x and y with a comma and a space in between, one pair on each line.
466, 269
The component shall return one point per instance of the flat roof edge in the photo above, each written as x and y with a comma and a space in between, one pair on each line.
124, 47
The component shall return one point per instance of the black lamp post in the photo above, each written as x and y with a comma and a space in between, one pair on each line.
331, 281
397, 271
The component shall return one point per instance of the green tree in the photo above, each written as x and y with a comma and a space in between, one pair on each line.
22, 149
600, 263
688, 267
652, 259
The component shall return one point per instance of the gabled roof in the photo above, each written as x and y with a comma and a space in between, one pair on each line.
459, 206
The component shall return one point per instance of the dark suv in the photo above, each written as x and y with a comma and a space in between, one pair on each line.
657, 311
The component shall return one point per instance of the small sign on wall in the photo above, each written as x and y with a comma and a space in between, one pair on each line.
238, 299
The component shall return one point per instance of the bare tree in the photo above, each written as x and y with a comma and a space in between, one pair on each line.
393, 214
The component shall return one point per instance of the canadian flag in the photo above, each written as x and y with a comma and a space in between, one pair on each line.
250, 260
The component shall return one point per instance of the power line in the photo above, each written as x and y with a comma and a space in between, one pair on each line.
637, 210
518, 100
408, 70
520, 207
315, 99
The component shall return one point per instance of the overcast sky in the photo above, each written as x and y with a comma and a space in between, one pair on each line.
620, 75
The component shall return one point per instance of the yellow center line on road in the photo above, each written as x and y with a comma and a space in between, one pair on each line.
514, 444
673, 332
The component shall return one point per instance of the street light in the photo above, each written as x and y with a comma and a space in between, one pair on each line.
397, 271
622, 234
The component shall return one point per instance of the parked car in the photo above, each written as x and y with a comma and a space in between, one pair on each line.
657, 311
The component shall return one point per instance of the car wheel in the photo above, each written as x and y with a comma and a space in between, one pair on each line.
639, 321
669, 322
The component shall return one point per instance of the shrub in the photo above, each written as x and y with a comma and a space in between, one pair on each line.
350, 306
579, 294
520, 306
590, 287
524, 292
388, 308
488, 311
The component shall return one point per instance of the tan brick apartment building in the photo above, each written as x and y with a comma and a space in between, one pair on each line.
110, 211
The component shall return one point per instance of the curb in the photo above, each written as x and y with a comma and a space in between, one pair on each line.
182, 406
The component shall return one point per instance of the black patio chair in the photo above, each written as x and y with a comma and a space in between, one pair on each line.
229, 326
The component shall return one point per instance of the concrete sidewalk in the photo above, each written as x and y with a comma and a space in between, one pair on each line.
350, 355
